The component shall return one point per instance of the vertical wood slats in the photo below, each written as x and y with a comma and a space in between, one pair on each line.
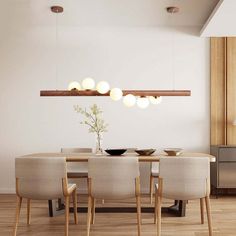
218, 91
223, 91
231, 90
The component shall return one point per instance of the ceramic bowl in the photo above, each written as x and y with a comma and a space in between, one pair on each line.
173, 151
115, 152
145, 152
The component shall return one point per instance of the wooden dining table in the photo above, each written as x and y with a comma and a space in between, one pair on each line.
178, 209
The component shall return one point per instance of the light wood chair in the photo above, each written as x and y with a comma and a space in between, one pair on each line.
43, 179
77, 170
113, 178
131, 151
184, 178
154, 173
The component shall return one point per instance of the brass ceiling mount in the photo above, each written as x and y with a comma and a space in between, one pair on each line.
57, 9
172, 9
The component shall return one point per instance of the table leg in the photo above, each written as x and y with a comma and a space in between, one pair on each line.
178, 209
55, 207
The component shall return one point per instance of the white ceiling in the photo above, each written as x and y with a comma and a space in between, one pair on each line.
222, 20
105, 12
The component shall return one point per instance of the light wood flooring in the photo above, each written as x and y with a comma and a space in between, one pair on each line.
120, 224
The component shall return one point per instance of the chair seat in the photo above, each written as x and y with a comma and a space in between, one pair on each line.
155, 173
77, 174
71, 187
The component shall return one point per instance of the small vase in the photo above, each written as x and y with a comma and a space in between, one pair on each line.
98, 147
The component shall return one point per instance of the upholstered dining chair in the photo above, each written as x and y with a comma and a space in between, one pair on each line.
77, 170
131, 151
154, 173
184, 178
40, 178
113, 178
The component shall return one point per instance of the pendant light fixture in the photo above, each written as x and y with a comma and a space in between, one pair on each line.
131, 97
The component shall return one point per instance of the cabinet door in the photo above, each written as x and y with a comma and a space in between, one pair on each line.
227, 175
227, 154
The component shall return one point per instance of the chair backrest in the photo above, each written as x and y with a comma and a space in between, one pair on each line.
77, 167
40, 177
113, 177
155, 167
131, 151
76, 150
185, 178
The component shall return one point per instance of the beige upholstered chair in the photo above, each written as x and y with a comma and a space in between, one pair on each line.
131, 151
154, 173
113, 178
184, 178
77, 170
43, 179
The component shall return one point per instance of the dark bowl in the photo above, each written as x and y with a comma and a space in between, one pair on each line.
145, 152
173, 151
115, 152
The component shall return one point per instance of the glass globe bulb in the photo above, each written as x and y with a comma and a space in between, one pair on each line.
88, 83
103, 87
155, 100
129, 100
74, 85
116, 94
142, 102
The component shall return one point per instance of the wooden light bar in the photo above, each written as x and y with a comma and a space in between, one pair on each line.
139, 93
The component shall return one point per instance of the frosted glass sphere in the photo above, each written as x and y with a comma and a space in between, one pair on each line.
74, 85
142, 102
88, 83
103, 87
155, 100
116, 94
129, 100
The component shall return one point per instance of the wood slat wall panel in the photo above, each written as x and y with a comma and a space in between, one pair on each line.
231, 90
218, 91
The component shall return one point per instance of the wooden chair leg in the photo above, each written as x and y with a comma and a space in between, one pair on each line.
202, 210
155, 211
75, 207
18, 207
67, 206
138, 202
89, 214
151, 188
158, 216
208, 209
28, 211
93, 210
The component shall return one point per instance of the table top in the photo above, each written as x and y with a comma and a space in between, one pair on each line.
83, 157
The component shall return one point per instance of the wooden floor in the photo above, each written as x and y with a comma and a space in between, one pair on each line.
122, 224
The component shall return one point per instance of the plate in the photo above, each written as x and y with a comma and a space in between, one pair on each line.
173, 151
145, 152
115, 152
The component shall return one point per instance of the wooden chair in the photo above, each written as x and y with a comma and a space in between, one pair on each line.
113, 178
43, 179
154, 173
77, 170
184, 178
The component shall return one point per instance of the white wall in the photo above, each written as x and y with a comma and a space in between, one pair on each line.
127, 57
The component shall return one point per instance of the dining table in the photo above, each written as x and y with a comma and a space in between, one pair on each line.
177, 209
